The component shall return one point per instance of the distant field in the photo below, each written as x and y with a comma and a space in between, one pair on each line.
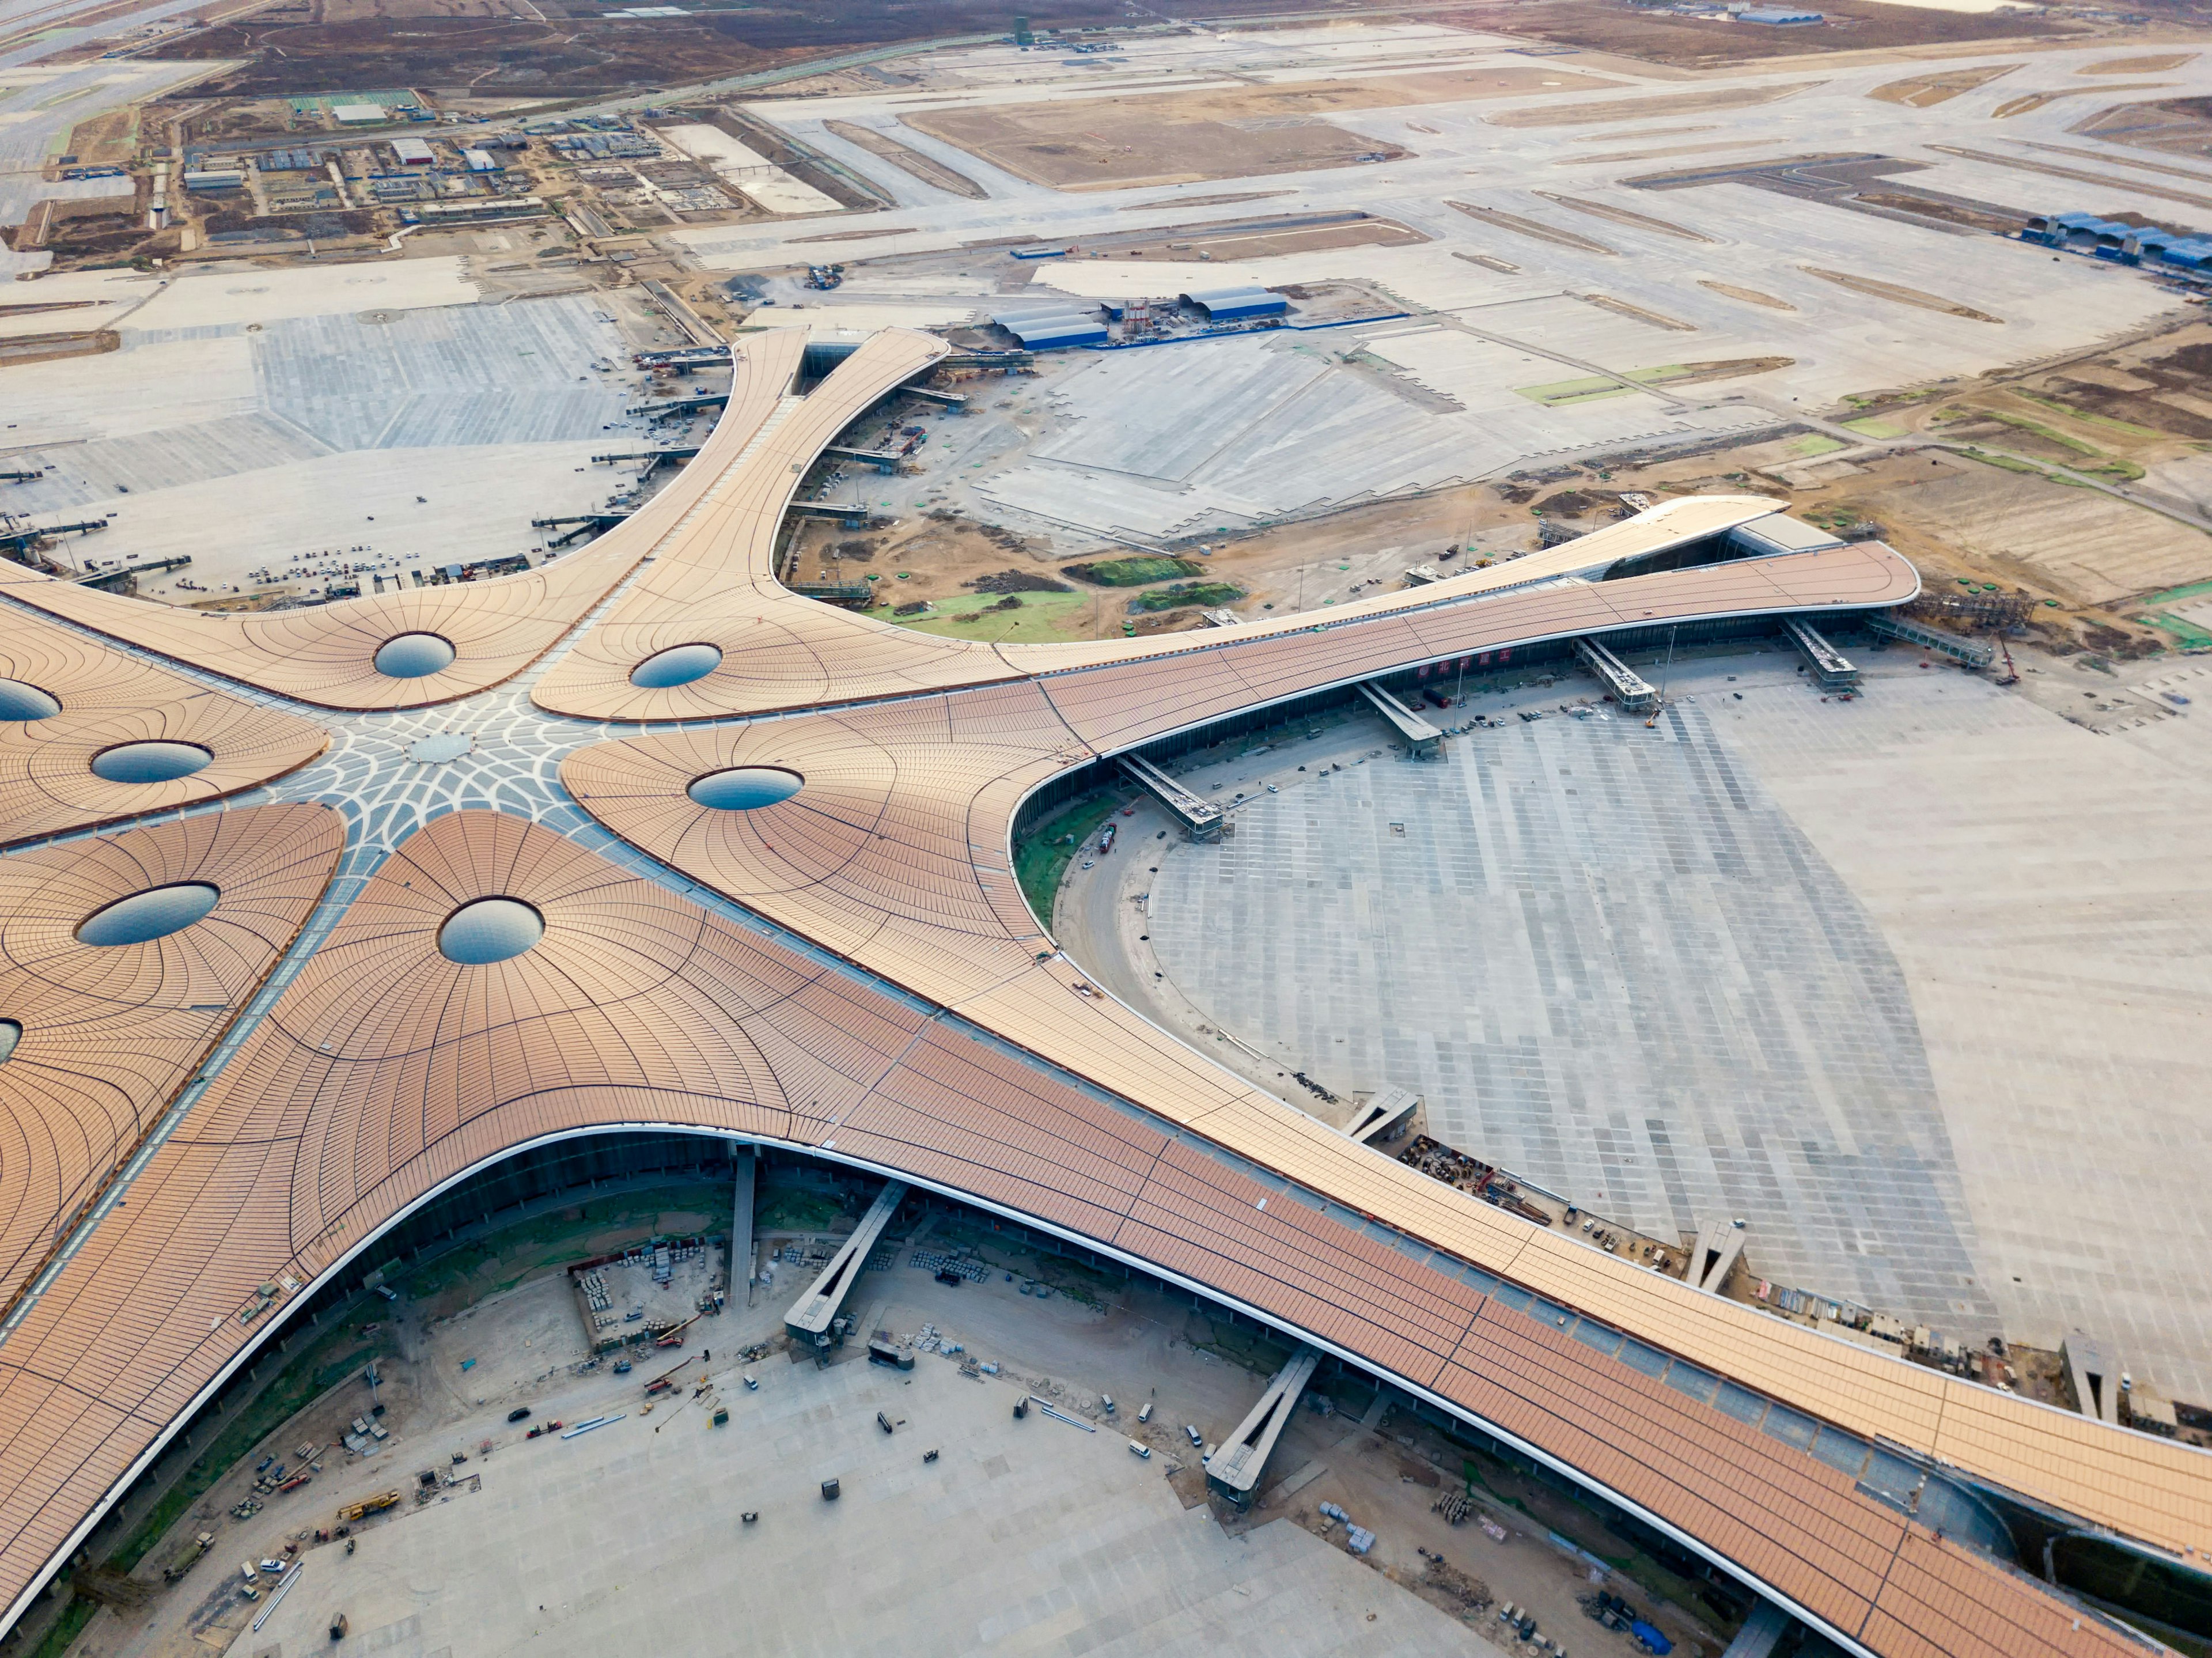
1042, 618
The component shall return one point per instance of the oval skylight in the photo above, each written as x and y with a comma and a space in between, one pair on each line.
22, 701
678, 665
745, 788
145, 916
489, 930
150, 762
413, 656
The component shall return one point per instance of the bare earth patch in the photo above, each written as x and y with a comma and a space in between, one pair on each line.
1749, 296
1898, 294
1222, 134
1531, 228
927, 169
1940, 86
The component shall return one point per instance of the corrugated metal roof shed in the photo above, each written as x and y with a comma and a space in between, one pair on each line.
1040, 331
1246, 300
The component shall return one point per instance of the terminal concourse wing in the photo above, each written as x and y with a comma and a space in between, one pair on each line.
854, 975
386, 1071
71, 709
490, 631
107, 1035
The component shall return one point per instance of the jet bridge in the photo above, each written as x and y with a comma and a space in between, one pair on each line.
1831, 670
1234, 1469
1622, 682
1384, 1115
1967, 651
1198, 815
1421, 738
812, 1317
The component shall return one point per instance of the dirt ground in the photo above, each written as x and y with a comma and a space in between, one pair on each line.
1749, 295
2158, 65
2083, 548
1260, 244
1939, 85
1624, 216
1531, 228
1899, 293
2035, 100
1191, 136
1658, 107
927, 168
1855, 26
2177, 126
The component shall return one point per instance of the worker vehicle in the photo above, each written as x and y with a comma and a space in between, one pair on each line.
622, 1366
369, 1505
659, 1385
191, 1557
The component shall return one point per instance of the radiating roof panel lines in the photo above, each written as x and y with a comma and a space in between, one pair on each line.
858, 859
327, 655
104, 703
896, 1004
386, 1069
110, 1033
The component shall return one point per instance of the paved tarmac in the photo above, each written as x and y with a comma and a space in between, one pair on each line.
1022, 1537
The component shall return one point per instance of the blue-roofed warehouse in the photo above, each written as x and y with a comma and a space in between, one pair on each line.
2113, 239
1042, 331
1235, 304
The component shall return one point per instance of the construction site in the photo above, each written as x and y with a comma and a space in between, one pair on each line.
485, 1408
1356, 835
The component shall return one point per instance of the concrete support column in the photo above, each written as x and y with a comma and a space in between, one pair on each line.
742, 1266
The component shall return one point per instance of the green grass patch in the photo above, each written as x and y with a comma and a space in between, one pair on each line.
499, 1261
2086, 418
1040, 618
1042, 857
66, 1629
2187, 635
793, 1209
2175, 595
2025, 468
1817, 443
1133, 572
1189, 592
2048, 434
1870, 426
1590, 388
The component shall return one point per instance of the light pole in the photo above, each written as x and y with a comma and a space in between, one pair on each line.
1664, 673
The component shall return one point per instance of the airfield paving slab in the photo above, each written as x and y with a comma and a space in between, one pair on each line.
1857, 972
